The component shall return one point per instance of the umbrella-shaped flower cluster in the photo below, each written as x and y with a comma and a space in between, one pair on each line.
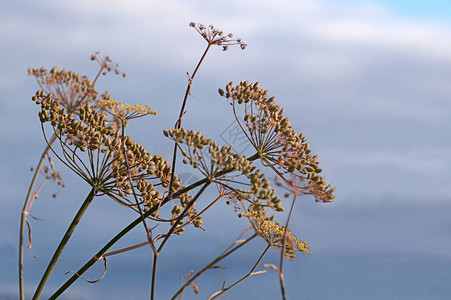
278, 145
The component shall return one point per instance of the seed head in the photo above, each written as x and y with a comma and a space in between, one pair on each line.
279, 146
214, 36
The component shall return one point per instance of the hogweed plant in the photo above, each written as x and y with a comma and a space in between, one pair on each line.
87, 133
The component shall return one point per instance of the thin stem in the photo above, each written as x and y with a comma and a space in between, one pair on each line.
282, 254
63, 243
210, 265
182, 215
126, 249
25, 211
154, 275
188, 88
201, 212
129, 175
168, 235
178, 124
214, 296
129, 227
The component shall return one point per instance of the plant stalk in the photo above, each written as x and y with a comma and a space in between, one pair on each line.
210, 265
168, 235
282, 254
244, 277
178, 124
128, 228
25, 210
63, 243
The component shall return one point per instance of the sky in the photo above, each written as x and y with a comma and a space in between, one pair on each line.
368, 82
413, 9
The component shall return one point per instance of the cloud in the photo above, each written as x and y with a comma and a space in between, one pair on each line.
352, 77
370, 89
427, 160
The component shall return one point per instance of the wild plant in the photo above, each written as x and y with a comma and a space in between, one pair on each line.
87, 133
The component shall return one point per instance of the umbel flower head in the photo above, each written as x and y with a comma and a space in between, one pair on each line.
93, 150
214, 36
273, 234
124, 111
68, 88
235, 173
106, 64
278, 145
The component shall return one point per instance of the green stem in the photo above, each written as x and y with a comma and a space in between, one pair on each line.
129, 227
99, 254
154, 275
24, 213
210, 265
63, 243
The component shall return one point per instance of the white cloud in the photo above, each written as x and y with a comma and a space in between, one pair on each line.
160, 29
422, 160
366, 65
348, 75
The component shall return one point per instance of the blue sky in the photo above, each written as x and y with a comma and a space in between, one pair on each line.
367, 81
435, 9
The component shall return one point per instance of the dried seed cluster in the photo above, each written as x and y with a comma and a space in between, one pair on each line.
215, 36
278, 145
218, 162
67, 87
204, 154
191, 214
261, 194
106, 64
104, 165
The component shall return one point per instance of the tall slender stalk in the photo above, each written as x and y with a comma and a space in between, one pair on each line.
25, 211
63, 243
210, 265
178, 124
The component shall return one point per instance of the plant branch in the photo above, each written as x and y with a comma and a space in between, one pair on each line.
168, 235
223, 255
217, 294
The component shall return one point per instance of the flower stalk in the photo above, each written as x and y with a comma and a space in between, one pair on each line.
63, 243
